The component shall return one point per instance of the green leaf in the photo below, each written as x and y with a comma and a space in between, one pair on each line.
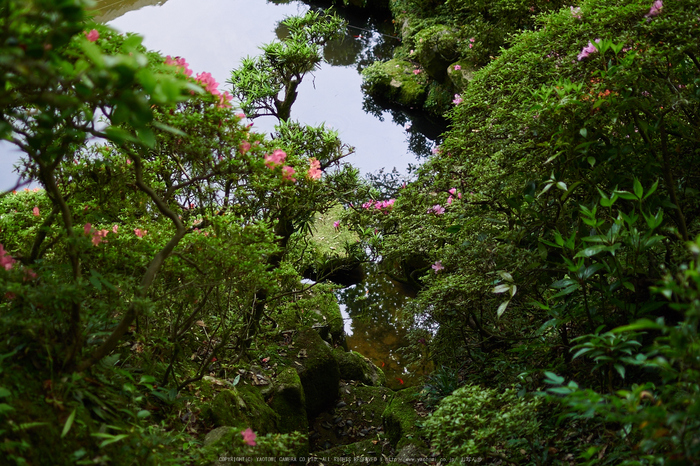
553, 378
453, 229
642, 324
5, 408
506, 276
143, 414
502, 308
147, 379
591, 161
628, 285
592, 251
583, 132
501, 288
4, 392
236, 380
567, 290
620, 369
147, 136
637, 187
69, 423
652, 189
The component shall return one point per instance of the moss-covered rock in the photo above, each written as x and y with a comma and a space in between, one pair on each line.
317, 369
289, 402
436, 48
400, 419
354, 366
397, 80
242, 406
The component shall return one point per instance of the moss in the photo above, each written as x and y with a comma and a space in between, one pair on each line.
436, 48
354, 366
318, 371
318, 309
242, 406
400, 419
289, 402
395, 80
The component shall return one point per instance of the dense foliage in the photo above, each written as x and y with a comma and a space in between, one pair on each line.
549, 233
167, 236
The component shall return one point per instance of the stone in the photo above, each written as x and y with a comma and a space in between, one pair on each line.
318, 372
241, 407
400, 418
354, 366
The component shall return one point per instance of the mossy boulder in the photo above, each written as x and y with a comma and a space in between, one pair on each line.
318, 371
397, 81
400, 419
354, 366
436, 47
289, 402
459, 74
242, 406
356, 416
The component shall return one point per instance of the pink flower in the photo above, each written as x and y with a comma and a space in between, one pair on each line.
437, 209
287, 173
435, 150
459, 195
249, 437
35, 211
437, 266
128, 162
29, 274
336, 224
210, 84
98, 236
458, 99
244, 147
140, 233
655, 10
416, 72
587, 50
449, 200
240, 115
6, 260
93, 35
115, 228
314, 169
180, 63
277, 158
471, 46
225, 100
86, 228
457, 67
576, 12
452, 191
471, 40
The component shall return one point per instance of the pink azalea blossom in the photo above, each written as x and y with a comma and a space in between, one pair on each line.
98, 236
249, 437
180, 63
449, 200
225, 100
140, 233
240, 115
277, 158
435, 150
336, 224
437, 209
452, 191
86, 228
35, 211
437, 266
244, 147
458, 99
93, 35
655, 10
6, 260
459, 195
115, 228
209, 83
314, 169
457, 67
576, 12
416, 72
287, 173
587, 50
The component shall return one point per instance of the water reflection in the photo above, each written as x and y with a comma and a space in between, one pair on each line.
374, 307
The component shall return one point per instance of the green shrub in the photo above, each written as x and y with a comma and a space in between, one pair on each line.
476, 420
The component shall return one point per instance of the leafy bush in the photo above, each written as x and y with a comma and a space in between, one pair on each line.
481, 421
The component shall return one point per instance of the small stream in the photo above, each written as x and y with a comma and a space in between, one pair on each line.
214, 35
